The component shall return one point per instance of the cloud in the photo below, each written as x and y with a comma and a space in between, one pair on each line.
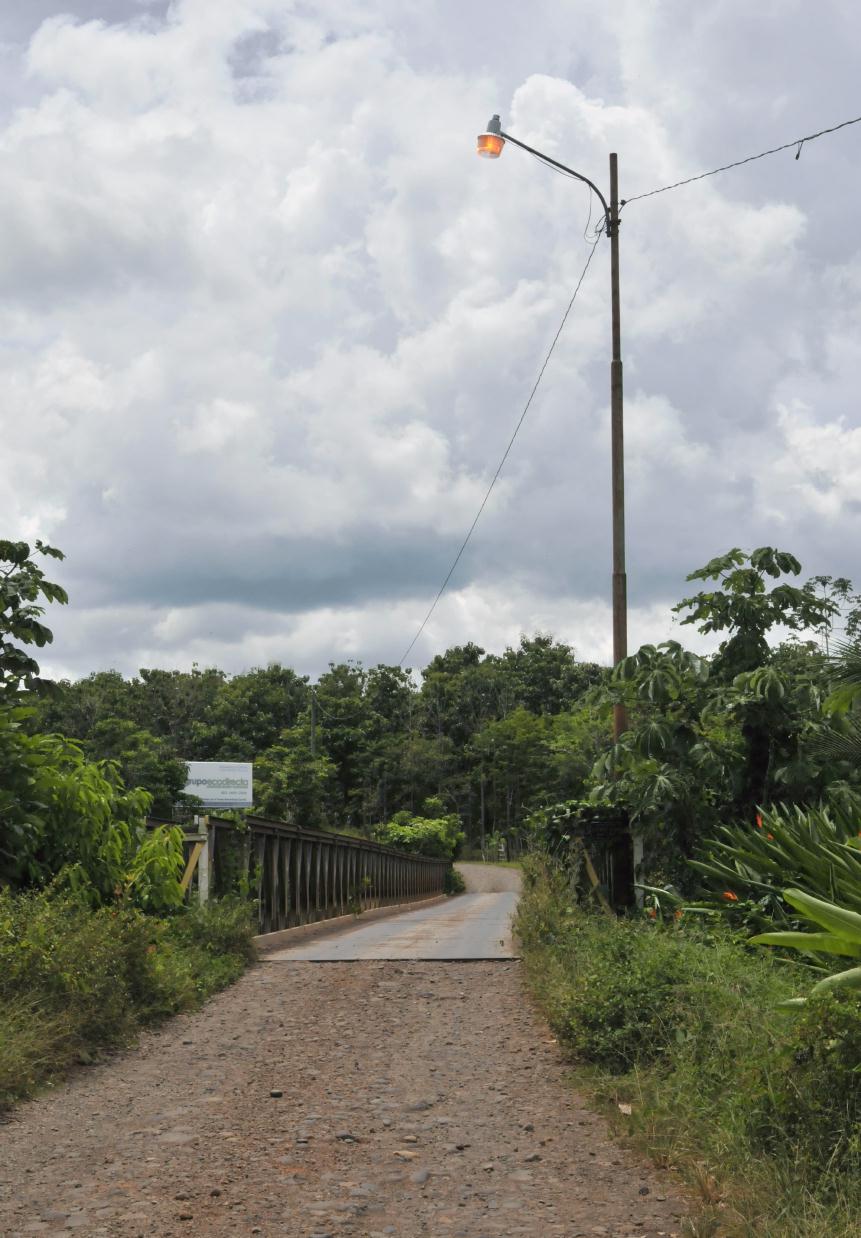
268, 324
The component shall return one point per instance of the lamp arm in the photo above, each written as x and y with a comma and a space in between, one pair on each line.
570, 171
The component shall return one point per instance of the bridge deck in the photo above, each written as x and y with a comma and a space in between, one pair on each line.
472, 926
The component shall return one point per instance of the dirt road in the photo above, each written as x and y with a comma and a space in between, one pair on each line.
314, 1099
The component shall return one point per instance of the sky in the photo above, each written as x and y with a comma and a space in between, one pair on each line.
267, 323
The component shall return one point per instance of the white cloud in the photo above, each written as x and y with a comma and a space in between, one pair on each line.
268, 324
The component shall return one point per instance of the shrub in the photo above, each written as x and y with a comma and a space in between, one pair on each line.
75, 980
432, 836
815, 1101
815, 849
454, 882
680, 1021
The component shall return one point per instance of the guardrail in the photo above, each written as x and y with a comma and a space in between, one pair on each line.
301, 875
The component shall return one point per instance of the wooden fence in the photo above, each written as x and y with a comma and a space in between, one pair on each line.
301, 875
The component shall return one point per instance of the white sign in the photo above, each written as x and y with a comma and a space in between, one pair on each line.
221, 784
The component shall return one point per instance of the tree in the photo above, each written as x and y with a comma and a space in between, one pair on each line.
248, 714
169, 703
74, 709
22, 584
675, 767
293, 784
142, 759
745, 608
545, 676
513, 755
62, 817
714, 740
436, 834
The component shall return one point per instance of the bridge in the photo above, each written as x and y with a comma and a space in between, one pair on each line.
300, 875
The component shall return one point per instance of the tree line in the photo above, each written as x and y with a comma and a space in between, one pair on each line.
483, 736
483, 741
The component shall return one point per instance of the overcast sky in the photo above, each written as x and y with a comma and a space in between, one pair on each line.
268, 323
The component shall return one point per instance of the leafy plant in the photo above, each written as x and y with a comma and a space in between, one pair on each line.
22, 584
841, 936
747, 867
430, 836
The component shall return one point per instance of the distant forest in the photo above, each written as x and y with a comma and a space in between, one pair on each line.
486, 737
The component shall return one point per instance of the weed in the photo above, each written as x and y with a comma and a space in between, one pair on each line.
75, 981
757, 1107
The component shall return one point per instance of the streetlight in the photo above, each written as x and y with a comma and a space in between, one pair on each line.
490, 146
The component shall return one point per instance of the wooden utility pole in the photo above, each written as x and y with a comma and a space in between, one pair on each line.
617, 453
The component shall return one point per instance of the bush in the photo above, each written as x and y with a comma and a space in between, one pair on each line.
75, 981
681, 1022
815, 1104
454, 882
431, 836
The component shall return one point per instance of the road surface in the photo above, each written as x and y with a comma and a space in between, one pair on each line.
471, 926
360, 1099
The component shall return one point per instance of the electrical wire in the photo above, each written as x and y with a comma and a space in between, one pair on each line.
505, 456
587, 235
797, 142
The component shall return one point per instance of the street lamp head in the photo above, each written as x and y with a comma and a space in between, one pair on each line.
491, 142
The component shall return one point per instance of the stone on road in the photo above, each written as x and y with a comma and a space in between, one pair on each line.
355, 1099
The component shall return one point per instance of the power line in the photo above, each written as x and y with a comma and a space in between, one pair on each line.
797, 142
505, 455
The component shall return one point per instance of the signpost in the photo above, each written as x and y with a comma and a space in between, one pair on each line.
221, 784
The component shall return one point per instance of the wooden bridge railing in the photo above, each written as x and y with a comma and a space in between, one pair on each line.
301, 875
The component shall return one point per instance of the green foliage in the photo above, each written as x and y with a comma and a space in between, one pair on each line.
75, 980
748, 610
430, 836
142, 759
745, 868
842, 936
454, 882
679, 763
710, 740
293, 784
552, 827
724, 1082
249, 713
815, 1107
63, 817
155, 869
22, 584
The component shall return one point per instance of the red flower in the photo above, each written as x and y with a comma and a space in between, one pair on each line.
759, 821
730, 897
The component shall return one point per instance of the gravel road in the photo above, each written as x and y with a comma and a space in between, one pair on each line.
329, 1099
490, 878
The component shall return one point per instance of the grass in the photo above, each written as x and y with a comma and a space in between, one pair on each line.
75, 982
757, 1108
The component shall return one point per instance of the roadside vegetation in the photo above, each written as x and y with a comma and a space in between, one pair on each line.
720, 1022
76, 980
675, 1026
96, 940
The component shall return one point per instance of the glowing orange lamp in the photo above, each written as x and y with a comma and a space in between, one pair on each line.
491, 142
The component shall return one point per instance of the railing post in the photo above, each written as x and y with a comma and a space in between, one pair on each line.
300, 901
204, 864
275, 865
286, 852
